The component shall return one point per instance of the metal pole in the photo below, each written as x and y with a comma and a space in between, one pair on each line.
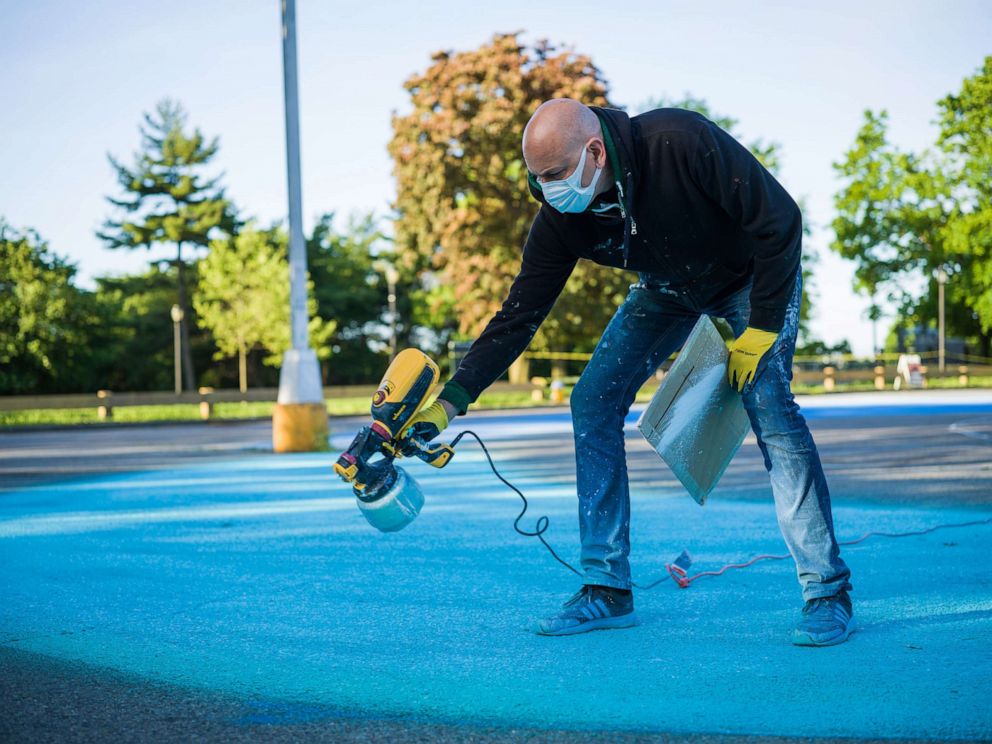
297, 253
178, 361
392, 279
392, 313
874, 313
177, 345
941, 281
299, 378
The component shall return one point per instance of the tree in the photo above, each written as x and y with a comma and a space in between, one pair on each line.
45, 320
463, 206
139, 339
243, 298
167, 200
350, 291
965, 120
901, 216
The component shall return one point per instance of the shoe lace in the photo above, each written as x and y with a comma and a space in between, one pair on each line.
576, 598
813, 604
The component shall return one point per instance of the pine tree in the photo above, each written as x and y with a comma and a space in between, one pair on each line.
167, 199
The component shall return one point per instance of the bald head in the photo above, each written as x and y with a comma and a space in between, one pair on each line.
561, 124
554, 139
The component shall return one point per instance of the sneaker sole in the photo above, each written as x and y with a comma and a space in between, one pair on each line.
603, 623
805, 639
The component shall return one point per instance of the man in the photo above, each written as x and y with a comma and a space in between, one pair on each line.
670, 195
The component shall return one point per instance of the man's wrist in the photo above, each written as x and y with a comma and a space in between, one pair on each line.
455, 395
449, 409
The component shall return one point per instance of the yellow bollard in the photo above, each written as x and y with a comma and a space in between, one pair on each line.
105, 410
963, 375
206, 407
537, 394
880, 377
299, 427
828, 379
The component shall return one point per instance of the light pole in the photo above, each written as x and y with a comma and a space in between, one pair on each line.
874, 313
941, 281
177, 320
392, 279
299, 419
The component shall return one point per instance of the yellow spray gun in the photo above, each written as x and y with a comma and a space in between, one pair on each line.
388, 497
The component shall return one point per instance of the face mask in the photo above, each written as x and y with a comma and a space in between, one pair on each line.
567, 194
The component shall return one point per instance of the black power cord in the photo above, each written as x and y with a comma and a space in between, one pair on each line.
676, 572
542, 523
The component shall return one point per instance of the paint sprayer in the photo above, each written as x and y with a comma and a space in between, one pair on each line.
387, 496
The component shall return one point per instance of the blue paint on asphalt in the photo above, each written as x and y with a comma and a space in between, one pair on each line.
259, 577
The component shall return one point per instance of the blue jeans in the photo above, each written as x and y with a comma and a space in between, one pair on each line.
655, 320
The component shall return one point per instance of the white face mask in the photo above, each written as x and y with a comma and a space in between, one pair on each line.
567, 194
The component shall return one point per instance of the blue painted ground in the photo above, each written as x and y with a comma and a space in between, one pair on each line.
259, 577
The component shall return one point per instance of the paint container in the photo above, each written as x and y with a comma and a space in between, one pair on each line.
392, 501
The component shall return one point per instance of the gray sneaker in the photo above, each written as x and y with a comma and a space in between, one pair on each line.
591, 608
826, 621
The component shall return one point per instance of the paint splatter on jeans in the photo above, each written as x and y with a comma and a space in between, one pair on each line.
654, 321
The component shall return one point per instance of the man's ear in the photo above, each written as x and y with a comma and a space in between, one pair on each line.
599, 151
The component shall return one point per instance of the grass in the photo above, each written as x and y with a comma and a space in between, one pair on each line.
355, 406
221, 412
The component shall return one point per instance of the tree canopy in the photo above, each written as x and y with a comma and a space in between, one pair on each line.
44, 318
463, 207
243, 298
902, 216
349, 289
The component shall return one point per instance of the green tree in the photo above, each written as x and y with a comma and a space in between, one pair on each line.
463, 207
901, 216
351, 292
965, 120
243, 298
167, 199
45, 320
137, 352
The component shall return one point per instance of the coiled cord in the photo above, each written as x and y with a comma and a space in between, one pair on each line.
676, 572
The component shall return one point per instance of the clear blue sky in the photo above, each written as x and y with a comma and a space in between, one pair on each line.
76, 78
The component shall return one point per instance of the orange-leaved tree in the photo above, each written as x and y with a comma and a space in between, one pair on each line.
463, 207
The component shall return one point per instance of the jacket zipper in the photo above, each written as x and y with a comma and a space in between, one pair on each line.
623, 215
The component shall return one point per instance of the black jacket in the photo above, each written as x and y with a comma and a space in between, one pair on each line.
697, 208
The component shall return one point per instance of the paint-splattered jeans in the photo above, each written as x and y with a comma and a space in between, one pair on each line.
654, 321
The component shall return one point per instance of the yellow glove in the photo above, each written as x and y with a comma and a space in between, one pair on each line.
745, 355
425, 425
